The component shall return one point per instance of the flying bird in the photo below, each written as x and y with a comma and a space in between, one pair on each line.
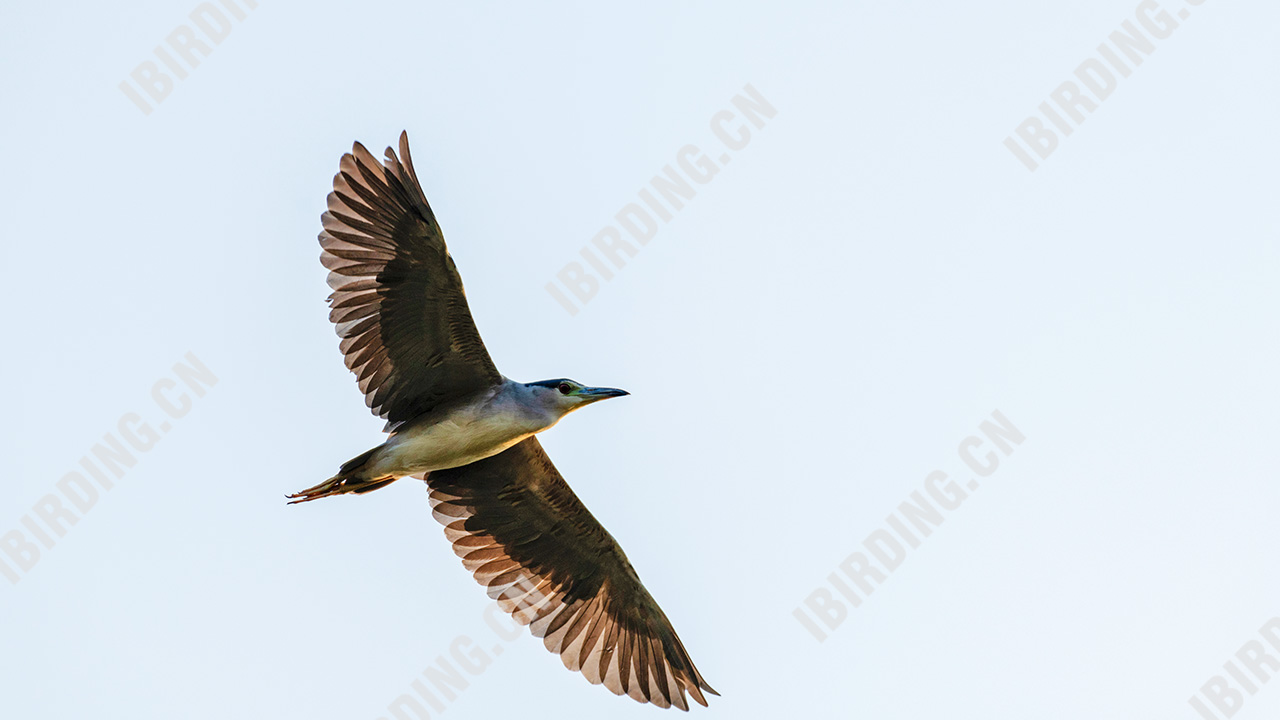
469, 432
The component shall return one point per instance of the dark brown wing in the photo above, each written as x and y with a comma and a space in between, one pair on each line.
536, 548
397, 299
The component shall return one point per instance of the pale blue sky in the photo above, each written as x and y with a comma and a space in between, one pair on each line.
811, 336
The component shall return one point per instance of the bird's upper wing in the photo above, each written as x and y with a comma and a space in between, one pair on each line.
397, 299
526, 537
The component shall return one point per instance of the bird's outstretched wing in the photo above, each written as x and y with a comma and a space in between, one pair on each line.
525, 536
397, 299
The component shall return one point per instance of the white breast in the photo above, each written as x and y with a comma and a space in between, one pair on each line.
467, 434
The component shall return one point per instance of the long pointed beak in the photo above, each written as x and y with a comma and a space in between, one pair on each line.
593, 394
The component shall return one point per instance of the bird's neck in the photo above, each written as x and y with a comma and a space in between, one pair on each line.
519, 400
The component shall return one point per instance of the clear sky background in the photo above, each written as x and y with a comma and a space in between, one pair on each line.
811, 336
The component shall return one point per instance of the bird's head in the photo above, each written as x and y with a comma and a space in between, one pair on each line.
562, 396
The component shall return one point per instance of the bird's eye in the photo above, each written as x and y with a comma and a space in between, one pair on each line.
565, 388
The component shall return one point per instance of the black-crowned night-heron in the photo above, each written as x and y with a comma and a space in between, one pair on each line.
456, 422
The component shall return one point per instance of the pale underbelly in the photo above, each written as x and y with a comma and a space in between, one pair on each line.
444, 445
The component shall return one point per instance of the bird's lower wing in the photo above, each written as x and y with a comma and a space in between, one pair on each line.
539, 552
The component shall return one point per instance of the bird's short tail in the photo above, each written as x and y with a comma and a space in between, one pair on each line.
350, 479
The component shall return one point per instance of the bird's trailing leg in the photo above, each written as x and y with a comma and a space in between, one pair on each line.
350, 479
338, 485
